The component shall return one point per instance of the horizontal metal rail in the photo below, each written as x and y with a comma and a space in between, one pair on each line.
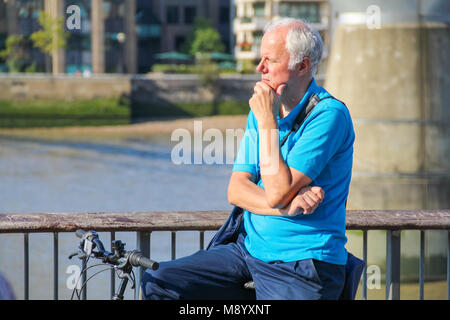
394, 221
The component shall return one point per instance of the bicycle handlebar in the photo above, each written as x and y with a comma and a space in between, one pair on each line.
135, 258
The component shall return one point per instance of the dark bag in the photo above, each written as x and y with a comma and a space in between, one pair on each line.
353, 271
229, 231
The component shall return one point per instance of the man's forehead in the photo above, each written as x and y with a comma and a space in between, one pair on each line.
276, 36
273, 40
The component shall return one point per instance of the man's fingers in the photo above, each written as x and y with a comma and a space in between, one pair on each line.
319, 192
303, 206
313, 197
311, 202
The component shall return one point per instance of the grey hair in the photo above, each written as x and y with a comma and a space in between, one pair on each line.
301, 41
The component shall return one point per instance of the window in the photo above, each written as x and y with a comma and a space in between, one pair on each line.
258, 9
2, 10
307, 11
257, 37
172, 15
224, 15
189, 14
179, 40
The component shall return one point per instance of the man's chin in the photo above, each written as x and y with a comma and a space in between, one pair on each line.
270, 84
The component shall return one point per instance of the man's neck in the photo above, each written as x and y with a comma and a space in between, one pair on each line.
290, 102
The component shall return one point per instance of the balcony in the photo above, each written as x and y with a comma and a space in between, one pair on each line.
249, 23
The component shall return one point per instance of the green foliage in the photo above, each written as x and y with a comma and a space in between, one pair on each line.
187, 68
51, 36
190, 109
203, 38
55, 113
208, 71
31, 68
14, 53
207, 40
199, 23
175, 68
105, 111
249, 66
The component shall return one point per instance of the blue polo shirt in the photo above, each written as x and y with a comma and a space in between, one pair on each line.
322, 148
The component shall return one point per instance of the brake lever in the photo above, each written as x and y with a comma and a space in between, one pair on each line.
122, 274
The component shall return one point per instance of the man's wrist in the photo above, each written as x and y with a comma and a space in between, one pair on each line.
268, 124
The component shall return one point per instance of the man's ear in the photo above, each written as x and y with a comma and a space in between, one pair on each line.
304, 66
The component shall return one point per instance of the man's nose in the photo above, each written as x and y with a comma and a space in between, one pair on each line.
261, 67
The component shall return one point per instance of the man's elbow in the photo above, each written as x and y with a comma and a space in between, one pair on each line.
276, 200
230, 197
231, 194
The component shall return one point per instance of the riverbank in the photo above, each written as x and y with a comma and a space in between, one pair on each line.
105, 112
156, 127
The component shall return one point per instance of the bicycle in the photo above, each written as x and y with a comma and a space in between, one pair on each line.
120, 260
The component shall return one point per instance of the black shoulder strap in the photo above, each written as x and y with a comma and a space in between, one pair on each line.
304, 113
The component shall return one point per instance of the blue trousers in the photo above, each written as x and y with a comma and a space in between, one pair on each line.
221, 272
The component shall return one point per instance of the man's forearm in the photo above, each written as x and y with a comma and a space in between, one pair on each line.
275, 174
251, 197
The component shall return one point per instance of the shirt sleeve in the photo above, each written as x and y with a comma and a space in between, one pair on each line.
321, 138
247, 157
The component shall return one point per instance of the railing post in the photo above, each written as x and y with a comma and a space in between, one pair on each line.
202, 240
422, 265
55, 266
26, 263
143, 245
393, 264
113, 272
448, 265
364, 275
173, 244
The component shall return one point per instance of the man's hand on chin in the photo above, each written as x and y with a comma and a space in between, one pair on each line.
265, 102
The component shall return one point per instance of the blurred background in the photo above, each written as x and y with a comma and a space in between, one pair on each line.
91, 90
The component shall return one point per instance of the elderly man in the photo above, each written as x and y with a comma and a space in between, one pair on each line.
293, 193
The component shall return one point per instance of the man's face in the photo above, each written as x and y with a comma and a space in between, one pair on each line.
274, 59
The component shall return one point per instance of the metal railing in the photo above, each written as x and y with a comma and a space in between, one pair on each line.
393, 221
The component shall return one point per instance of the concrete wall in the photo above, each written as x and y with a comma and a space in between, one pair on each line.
143, 89
395, 82
62, 87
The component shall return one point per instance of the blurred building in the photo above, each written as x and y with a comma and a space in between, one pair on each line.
252, 15
114, 35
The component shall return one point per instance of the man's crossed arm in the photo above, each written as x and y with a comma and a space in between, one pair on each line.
245, 193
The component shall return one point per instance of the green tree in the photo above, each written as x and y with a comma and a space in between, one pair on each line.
203, 40
207, 40
14, 53
199, 23
52, 36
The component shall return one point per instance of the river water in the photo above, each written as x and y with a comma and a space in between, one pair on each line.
88, 173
